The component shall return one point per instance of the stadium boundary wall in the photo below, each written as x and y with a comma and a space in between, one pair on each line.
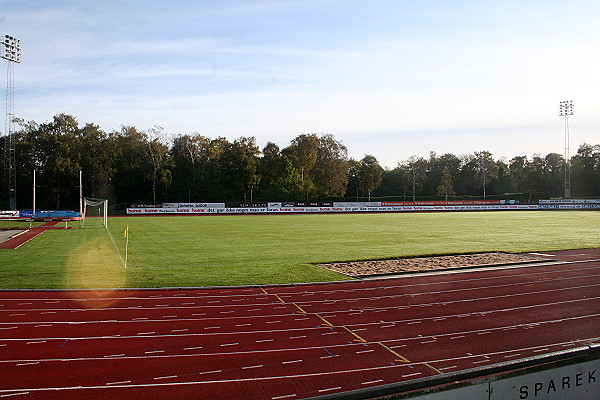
353, 207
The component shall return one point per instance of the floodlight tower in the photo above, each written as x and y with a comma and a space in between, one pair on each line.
10, 50
565, 109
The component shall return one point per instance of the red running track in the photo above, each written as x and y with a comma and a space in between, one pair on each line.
19, 240
292, 342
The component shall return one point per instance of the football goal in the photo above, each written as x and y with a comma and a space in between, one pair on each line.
95, 212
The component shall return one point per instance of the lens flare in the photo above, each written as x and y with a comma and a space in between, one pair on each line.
95, 266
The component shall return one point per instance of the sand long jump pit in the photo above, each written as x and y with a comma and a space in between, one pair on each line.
359, 269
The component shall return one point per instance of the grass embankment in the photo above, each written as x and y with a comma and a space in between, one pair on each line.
262, 249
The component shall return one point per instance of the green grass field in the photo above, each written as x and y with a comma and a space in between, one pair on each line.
262, 249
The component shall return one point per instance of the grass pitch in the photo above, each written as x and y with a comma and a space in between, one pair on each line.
263, 249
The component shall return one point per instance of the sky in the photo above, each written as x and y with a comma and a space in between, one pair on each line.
389, 78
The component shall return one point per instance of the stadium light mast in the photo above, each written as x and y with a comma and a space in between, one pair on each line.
10, 50
565, 109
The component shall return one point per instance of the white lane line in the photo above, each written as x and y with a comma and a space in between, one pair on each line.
13, 394
212, 327
44, 325
291, 362
115, 355
243, 325
457, 337
16, 315
146, 333
253, 366
166, 377
372, 382
287, 396
329, 389
179, 330
117, 383
450, 367
39, 341
540, 350
192, 348
210, 372
415, 374
272, 322
229, 344
154, 351
264, 340
282, 378
365, 351
29, 363
297, 337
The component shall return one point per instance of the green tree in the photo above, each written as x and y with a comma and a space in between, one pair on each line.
416, 171
303, 152
330, 173
585, 171
131, 165
446, 186
240, 168
278, 178
487, 168
157, 153
96, 158
54, 152
369, 174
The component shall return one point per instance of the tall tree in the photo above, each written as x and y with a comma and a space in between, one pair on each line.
157, 153
96, 151
54, 149
446, 186
416, 170
278, 178
330, 174
585, 171
131, 165
240, 168
369, 174
303, 152
486, 168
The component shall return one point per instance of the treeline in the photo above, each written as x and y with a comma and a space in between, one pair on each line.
143, 166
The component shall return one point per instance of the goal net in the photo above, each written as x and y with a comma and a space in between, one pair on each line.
95, 213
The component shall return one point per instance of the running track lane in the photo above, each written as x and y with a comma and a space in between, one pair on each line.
19, 240
291, 342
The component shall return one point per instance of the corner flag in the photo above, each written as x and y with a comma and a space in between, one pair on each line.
126, 235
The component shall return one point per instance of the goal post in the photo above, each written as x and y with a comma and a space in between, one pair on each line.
95, 208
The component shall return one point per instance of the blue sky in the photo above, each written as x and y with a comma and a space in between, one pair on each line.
387, 78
